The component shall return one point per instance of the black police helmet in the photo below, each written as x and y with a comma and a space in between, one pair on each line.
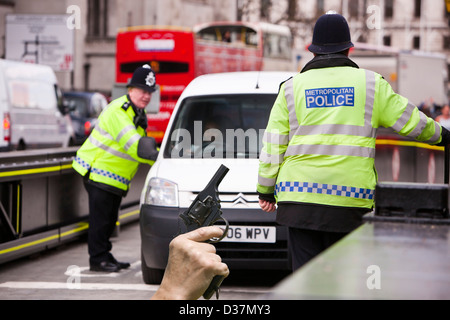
144, 78
331, 34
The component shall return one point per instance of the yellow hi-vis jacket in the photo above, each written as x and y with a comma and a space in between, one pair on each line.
110, 154
319, 144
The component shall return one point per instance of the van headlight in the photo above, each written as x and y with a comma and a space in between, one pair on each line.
161, 192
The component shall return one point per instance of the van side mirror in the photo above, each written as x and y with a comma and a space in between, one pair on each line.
69, 105
62, 104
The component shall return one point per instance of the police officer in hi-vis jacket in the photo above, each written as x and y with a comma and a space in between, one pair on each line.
317, 161
108, 161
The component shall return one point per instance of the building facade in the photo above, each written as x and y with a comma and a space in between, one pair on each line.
99, 20
402, 24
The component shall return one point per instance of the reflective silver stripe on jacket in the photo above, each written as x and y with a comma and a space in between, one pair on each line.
121, 134
267, 182
290, 101
131, 140
275, 138
110, 150
437, 133
124, 131
370, 100
103, 132
363, 131
406, 116
271, 158
331, 150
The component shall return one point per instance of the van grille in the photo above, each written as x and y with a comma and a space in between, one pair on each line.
253, 251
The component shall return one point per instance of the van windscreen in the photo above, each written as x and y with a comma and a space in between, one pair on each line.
225, 126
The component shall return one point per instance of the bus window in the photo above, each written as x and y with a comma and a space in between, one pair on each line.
229, 34
276, 46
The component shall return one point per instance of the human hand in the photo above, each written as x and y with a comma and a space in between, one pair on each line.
267, 206
191, 266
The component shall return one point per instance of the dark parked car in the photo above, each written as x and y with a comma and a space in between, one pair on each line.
84, 109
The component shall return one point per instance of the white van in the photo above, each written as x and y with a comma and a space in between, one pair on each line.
219, 119
30, 110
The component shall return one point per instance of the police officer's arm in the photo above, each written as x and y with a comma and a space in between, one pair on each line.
405, 118
275, 142
124, 132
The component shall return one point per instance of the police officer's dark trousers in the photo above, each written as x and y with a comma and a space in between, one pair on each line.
305, 244
103, 214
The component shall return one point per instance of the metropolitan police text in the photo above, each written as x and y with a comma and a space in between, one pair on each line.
330, 97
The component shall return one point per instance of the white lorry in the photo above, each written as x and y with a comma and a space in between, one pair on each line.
419, 76
416, 75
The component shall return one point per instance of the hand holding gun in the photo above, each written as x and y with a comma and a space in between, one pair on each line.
204, 211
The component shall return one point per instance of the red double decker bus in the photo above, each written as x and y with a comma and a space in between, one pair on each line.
178, 55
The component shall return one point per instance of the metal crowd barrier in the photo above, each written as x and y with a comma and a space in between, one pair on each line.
43, 202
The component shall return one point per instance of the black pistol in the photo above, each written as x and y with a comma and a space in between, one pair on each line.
204, 211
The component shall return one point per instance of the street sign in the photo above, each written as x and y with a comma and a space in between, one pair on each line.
41, 39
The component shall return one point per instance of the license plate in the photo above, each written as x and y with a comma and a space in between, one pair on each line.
251, 234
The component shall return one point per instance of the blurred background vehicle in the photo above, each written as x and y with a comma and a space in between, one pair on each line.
84, 109
179, 54
31, 110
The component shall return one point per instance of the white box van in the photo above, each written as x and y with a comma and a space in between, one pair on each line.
219, 119
30, 110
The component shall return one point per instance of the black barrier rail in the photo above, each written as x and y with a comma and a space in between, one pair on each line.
43, 202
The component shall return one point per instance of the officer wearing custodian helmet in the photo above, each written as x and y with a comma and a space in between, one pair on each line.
108, 161
317, 162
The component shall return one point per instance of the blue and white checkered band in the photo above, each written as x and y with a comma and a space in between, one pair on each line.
82, 163
101, 172
110, 175
328, 189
